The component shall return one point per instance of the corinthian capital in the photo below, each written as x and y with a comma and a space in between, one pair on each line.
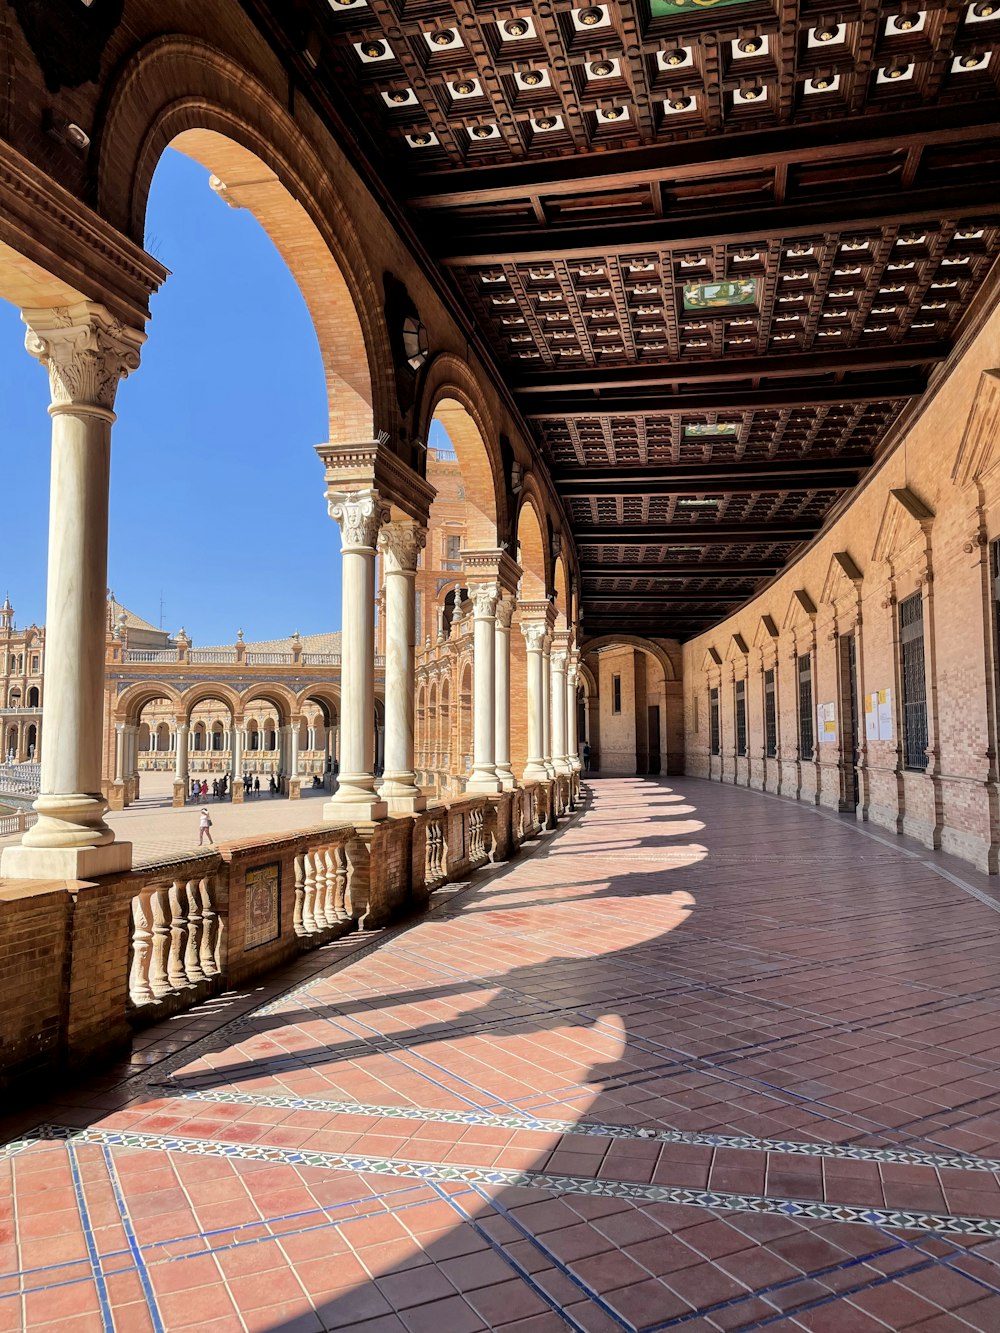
401, 542
360, 515
85, 350
535, 633
505, 610
559, 660
484, 600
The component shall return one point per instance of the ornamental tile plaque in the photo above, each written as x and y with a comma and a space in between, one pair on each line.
263, 905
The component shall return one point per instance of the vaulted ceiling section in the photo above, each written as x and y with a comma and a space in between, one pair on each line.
715, 249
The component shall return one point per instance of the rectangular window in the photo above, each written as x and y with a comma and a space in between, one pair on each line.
453, 552
713, 718
741, 717
34, 664
806, 731
770, 716
911, 648
616, 694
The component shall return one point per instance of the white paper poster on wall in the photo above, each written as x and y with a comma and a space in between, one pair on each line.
878, 716
885, 715
826, 723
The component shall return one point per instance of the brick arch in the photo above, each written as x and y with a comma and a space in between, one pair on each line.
564, 598
453, 397
654, 650
326, 697
534, 556
283, 701
210, 692
182, 91
130, 703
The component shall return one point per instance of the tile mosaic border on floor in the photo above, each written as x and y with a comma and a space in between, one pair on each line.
590, 1129
905, 1219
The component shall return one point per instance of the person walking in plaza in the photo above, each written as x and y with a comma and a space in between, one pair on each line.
256, 786
585, 751
205, 827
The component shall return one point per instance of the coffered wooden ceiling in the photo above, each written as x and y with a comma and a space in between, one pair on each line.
713, 248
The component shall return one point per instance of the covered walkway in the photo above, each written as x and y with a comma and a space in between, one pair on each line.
706, 1060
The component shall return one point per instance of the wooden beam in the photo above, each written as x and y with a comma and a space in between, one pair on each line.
688, 569
700, 159
619, 599
460, 247
834, 360
690, 534
725, 479
741, 397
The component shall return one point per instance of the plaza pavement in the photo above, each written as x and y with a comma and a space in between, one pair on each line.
702, 1061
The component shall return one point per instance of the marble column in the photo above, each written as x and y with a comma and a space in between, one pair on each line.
236, 772
400, 543
535, 633
119, 752
505, 613
572, 715
87, 352
483, 778
550, 769
558, 666
360, 514
181, 757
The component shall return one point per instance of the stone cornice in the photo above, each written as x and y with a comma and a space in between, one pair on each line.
52, 229
371, 463
492, 567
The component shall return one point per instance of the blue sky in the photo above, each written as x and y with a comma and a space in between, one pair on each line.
216, 491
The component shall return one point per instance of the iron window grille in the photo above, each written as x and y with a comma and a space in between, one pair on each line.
806, 732
911, 651
741, 717
770, 717
616, 694
713, 708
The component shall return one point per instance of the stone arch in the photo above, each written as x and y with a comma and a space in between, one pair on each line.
326, 696
564, 595
453, 396
181, 91
533, 554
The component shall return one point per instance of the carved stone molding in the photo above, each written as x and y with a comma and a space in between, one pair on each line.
484, 598
360, 515
559, 658
535, 633
401, 543
505, 611
86, 351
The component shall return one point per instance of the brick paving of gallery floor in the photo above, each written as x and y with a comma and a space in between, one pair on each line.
703, 1060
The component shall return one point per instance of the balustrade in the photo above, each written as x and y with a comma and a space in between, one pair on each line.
322, 889
435, 852
177, 939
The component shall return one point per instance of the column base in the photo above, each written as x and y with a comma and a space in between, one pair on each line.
401, 794
180, 794
354, 810
294, 789
506, 778
65, 862
406, 805
483, 782
535, 771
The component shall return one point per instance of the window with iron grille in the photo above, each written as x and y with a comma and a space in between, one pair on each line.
806, 733
770, 716
741, 717
713, 711
911, 650
616, 694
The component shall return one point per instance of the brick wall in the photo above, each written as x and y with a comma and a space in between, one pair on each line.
922, 525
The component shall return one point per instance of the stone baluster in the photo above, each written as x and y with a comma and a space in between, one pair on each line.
298, 911
177, 897
195, 929
159, 982
210, 926
142, 942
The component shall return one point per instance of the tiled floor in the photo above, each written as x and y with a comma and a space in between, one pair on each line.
704, 1061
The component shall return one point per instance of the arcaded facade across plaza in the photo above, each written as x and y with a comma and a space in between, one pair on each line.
617, 950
